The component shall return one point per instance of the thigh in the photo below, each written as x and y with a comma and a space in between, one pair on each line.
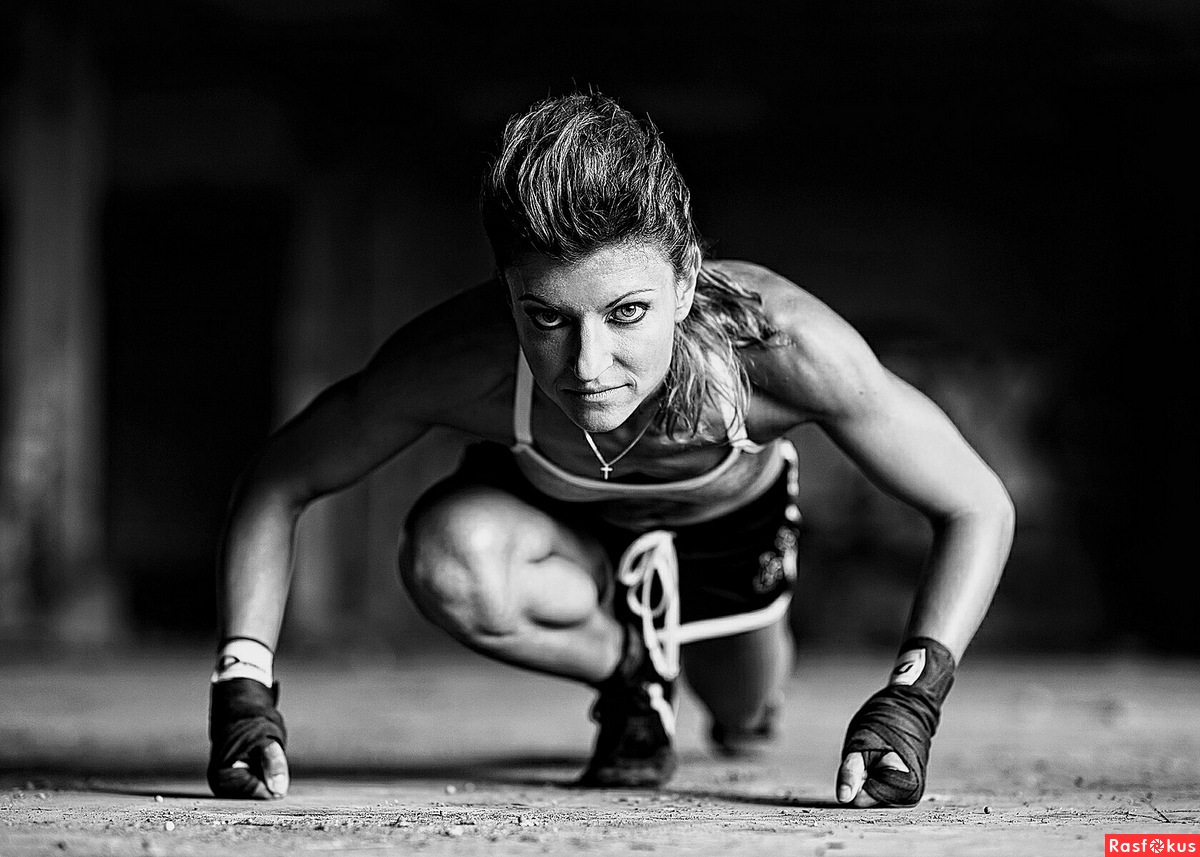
485, 531
489, 489
737, 571
512, 582
736, 577
486, 540
736, 676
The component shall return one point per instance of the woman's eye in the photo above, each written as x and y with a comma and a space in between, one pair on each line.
546, 319
629, 313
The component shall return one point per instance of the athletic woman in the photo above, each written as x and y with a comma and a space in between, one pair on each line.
629, 509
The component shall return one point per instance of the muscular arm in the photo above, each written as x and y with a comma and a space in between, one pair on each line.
441, 369
907, 446
339, 438
433, 371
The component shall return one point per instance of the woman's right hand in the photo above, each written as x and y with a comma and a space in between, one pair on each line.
248, 739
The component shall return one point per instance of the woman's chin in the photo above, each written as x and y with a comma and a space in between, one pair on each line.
596, 423
595, 419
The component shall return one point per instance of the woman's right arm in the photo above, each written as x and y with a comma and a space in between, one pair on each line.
433, 371
437, 370
346, 432
333, 443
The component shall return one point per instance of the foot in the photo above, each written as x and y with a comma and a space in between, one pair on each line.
637, 725
740, 742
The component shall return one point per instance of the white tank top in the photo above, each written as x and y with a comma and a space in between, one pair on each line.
554, 481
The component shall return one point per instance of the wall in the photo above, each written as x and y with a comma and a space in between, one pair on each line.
994, 194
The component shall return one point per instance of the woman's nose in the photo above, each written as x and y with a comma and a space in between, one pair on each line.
594, 352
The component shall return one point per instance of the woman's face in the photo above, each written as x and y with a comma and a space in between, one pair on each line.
598, 334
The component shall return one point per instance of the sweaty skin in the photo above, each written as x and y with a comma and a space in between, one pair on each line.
597, 336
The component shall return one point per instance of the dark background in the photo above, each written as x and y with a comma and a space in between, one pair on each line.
997, 194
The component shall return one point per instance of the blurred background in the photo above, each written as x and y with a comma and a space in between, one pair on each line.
211, 209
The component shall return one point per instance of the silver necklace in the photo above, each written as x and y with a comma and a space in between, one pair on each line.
606, 467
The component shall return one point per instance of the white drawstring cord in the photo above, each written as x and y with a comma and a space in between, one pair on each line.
652, 556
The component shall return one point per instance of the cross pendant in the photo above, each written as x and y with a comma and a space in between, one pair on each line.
605, 469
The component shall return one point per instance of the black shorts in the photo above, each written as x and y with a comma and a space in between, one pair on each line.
736, 565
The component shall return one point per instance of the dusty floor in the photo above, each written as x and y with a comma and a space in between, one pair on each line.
462, 756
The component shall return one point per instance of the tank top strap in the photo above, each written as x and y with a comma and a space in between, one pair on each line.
523, 402
735, 429
522, 415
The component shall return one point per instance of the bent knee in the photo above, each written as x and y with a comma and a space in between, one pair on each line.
469, 596
456, 564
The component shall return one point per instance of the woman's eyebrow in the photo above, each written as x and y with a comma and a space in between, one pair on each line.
529, 297
610, 305
628, 295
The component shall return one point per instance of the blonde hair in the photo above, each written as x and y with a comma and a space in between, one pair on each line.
579, 172
706, 367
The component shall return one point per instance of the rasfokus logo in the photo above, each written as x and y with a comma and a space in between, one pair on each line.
1152, 843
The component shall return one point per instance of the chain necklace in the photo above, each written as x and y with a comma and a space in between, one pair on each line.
606, 467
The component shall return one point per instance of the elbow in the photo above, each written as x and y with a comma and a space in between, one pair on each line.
994, 507
1005, 511
989, 510
995, 518
265, 481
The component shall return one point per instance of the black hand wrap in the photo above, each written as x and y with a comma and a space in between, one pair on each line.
903, 718
242, 721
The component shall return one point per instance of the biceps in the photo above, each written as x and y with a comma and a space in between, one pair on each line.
907, 446
338, 439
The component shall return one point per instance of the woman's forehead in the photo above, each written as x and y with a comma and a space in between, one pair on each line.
599, 278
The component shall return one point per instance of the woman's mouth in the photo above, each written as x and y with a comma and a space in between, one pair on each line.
591, 394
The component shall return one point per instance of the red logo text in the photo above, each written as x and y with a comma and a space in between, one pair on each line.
1152, 843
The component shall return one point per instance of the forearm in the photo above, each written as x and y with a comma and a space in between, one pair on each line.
965, 562
256, 566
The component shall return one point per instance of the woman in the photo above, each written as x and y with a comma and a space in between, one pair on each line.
633, 492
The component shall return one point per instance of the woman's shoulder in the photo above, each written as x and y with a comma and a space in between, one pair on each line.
789, 307
749, 275
818, 359
453, 354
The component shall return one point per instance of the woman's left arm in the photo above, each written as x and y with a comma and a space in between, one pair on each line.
908, 447
826, 373
905, 444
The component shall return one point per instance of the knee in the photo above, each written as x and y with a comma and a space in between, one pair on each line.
455, 565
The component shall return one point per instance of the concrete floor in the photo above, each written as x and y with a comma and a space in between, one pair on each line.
455, 754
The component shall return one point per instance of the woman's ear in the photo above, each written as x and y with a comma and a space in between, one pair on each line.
685, 293
685, 288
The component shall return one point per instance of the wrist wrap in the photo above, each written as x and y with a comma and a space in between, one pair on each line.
903, 718
243, 719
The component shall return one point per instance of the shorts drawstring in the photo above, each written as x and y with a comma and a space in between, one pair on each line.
652, 558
